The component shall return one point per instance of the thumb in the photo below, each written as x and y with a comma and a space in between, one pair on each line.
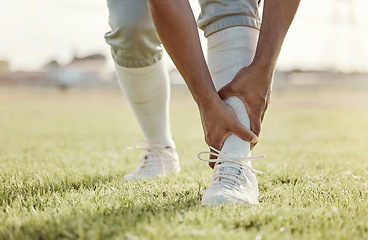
226, 91
255, 124
245, 134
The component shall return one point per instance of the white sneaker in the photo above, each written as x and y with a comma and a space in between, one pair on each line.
157, 161
233, 181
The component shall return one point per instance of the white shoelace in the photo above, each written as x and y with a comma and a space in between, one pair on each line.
235, 163
152, 151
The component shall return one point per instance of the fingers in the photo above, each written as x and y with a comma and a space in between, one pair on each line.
240, 130
226, 92
250, 136
255, 124
263, 113
218, 146
252, 145
245, 134
212, 164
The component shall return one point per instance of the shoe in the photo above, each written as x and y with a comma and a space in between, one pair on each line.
157, 161
233, 181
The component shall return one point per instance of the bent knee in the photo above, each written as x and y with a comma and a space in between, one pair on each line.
134, 41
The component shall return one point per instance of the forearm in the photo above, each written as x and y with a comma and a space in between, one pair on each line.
276, 20
176, 27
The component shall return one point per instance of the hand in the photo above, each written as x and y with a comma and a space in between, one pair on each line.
219, 121
252, 85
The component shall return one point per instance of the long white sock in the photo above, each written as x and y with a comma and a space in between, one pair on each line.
230, 50
148, 91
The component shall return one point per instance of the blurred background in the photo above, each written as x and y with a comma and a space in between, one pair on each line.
59, 43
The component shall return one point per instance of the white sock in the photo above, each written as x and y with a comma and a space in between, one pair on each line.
229, 50
148, 91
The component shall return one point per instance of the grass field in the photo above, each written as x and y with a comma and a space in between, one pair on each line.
62, 158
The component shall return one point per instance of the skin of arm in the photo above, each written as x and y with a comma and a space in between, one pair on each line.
253, 83
176, 27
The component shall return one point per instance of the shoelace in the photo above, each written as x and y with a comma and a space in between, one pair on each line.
236, 163
150, 149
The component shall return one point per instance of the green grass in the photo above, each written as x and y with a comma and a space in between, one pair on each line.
63, 156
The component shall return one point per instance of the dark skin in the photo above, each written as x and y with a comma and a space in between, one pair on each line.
252, 84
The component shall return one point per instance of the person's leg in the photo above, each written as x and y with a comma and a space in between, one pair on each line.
133, 39
229, 50
142, 76
232, 31
147, 90
217, 15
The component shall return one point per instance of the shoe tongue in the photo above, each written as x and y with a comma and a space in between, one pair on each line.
150, 156
230, 169
235, 156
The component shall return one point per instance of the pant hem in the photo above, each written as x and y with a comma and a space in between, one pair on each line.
137, 63
231, 21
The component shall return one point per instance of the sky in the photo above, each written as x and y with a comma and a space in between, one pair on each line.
38, 31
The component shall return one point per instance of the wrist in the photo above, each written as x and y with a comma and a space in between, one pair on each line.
265, 66
208, 103
264, 71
